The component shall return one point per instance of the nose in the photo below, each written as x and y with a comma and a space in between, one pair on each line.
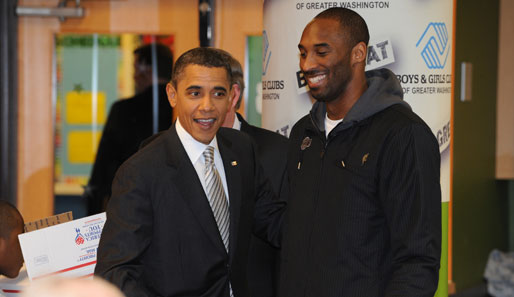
206, 104
308, 62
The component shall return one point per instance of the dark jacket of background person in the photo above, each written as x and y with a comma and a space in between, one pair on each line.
161, 238
364, 214
263, 258
130, 121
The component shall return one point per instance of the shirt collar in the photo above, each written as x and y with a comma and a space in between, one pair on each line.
193, 147
237, 123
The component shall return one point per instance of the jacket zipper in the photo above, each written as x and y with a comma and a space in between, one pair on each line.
318, 190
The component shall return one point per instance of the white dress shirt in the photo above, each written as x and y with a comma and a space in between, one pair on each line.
237, 124
195, 149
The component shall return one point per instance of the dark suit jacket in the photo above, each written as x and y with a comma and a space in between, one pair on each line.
130, 121
263, 258
161, 238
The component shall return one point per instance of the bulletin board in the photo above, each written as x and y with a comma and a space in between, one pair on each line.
91, 72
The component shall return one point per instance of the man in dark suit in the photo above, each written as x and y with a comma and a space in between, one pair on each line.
263, 258
177, 224
132, 120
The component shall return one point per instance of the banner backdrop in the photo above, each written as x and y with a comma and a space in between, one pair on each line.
410, 37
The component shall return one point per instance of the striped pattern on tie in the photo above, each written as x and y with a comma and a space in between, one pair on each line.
216, 195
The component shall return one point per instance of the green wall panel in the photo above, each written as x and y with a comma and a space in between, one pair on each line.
480, 209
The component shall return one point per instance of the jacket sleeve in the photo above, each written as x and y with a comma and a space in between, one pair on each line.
269, 208
126, 234
410, 192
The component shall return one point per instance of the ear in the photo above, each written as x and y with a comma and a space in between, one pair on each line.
359, 53
172, 94
236, 92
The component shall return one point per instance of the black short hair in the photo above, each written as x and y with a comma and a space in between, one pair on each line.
164, 58
10, 218
202, 56
351, 22
237, 73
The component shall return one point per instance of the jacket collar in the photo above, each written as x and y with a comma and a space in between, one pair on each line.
244, 124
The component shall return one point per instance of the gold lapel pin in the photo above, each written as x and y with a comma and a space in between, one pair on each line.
234, 163
364, 159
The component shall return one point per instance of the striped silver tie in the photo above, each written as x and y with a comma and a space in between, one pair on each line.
216, 195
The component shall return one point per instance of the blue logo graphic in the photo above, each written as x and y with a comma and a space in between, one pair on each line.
266, 55
79, 239
435, 45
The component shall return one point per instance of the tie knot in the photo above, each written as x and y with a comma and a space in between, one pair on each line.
208, 154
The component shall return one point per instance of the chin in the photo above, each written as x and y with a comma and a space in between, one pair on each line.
321, 98
13, 274
204, 139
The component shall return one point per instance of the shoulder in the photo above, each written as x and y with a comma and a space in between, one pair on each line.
400, 115
299, 127
125, 105
396, 119
263, 136
150, 156
236, 137
237, 142
401, 123
148, 140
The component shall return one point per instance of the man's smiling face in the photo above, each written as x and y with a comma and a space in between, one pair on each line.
202, 98
325, 59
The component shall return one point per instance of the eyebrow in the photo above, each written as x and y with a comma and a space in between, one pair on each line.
193, 87
220, 89
323, 44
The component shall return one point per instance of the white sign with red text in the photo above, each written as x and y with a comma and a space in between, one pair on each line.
67, 249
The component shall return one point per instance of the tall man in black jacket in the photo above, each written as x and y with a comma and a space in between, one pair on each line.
364, 214
272, 152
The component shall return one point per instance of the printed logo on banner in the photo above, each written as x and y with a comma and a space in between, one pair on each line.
380, 53
435, 46
79, 239
301, 83
266, 53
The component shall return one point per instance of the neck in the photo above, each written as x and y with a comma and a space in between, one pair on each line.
229, 119
338, 108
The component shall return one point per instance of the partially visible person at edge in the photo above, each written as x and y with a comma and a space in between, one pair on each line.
272, 152
364, 215
11, 225
71, 287
130, 121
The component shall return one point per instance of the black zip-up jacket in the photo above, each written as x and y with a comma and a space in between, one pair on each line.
364, 215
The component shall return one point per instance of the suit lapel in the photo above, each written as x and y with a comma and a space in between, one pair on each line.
233, 176
245, 127
190, 187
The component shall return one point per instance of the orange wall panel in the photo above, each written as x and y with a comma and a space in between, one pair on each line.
235, 20
35, 124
